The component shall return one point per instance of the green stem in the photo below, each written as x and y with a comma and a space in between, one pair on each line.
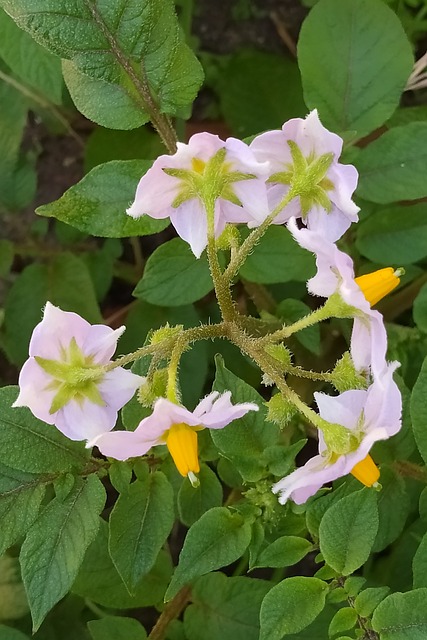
322, 313
311, 375
171, 611
256, 235
172, 390
222, 286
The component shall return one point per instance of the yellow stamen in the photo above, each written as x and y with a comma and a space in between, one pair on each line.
198, 165
366, 471
378, 284
182, 444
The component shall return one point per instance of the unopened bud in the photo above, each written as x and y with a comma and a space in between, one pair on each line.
280, 411
345, 377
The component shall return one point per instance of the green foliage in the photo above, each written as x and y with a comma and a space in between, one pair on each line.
259, 91
368, 600
283, 552
225, 608
402, 616
97, 204
64, 281
419, 310
394, 236
140, 522
344, 620
216, 540
7, 633
348, 530
244, 442
193, 502
291, 606
392, 167
99, 580
115, 628
55, 545
29, 445
419, 411
278, 258
173, 276
107, 44
365, 59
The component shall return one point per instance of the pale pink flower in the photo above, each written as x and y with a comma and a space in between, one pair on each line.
175, 426
64, 382
175, 187
335, 274
327, 207
371, 415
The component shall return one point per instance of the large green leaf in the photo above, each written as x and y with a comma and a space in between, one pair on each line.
348, 530
395, 235
64, 281
216, 540
173, 276
278, 258
32, 446
193, 502
21, 495
97, 204
134, 47
140, 522
55, 545
402, 616
13, 116
355, 60
29, 61
225, 608
291, 606
419, 411
392, 167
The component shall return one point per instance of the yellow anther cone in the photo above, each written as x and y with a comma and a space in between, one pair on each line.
182, 444
378, 284
366, 471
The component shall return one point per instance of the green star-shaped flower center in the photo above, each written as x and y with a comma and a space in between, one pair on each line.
306, 176
208, 181
74, 377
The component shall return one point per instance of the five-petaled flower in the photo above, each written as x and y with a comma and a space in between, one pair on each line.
369, 415
205, 177
303, 156
175, 426
64, 381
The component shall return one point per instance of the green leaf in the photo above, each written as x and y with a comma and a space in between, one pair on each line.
7, 633
105, 145
366, 60
394, 236
13, 117
348, 530
369, 599
225, 608
140, 522
344, 620
216, 540
194, 502
391, 168
64, 281
419, 564
402, 616
21, 495
245, 440
55, 545
283, 552
173, 276
112, 44
259, 91
29, 61
30, 445
99, 581
97, 204
393, 508
278, 258
116, 628
290, 606
419, 411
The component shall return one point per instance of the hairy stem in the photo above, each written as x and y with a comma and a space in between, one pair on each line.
172, 610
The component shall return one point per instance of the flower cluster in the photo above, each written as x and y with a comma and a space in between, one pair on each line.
292, 177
